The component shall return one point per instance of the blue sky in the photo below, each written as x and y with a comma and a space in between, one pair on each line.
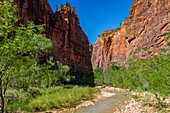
96, 16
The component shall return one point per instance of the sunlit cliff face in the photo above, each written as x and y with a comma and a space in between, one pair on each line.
142, 33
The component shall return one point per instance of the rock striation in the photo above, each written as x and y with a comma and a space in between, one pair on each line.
70, 43
142, 33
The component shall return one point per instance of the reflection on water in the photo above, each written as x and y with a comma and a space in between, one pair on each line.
104, 106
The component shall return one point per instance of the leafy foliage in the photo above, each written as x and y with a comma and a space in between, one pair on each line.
20, 50
98, 76
20, 47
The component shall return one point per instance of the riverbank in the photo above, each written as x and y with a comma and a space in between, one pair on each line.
57, 98
142, 102
137, 102
106, 92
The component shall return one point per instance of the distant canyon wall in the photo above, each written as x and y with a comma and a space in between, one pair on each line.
142, 33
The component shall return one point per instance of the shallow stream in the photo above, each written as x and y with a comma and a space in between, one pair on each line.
104, 106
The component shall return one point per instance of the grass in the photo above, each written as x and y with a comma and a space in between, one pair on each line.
65, 98
18, 99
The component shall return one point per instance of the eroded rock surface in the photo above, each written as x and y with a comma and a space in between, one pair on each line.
141, 34
71, 45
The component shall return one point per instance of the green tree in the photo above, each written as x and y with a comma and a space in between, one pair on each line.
61, 6
56, 6
67, 4
110, 73
52, 74
19, 46
98, 76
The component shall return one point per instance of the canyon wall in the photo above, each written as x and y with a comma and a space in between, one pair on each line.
70, 43
142, 33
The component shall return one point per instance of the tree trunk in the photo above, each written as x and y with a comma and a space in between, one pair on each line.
2, 105
2, 97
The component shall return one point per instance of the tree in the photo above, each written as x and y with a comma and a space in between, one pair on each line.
98, 76
67, 4
56, 6
61, 6
20, 46
52, 75
73, 7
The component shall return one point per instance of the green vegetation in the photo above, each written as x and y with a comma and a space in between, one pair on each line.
61, 6
137, 50
66, 98
19, 48
64, 7
83, 79
18, 99
149, 51
149, 4
56, 6
24, 78
98, 76
110, 32
67, 4
136, 1
42, 99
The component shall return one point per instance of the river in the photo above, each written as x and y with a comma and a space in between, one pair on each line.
104, 106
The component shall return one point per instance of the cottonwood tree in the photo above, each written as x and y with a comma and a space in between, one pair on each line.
20, 46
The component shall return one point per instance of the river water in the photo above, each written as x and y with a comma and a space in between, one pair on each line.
104, 106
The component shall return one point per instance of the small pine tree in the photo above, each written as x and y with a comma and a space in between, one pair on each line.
56, 7
61, 7
67, 4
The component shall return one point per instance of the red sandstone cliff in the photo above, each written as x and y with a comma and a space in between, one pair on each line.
71, 45
142, 34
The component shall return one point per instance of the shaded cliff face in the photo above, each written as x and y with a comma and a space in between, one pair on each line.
70, 43
141, 34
